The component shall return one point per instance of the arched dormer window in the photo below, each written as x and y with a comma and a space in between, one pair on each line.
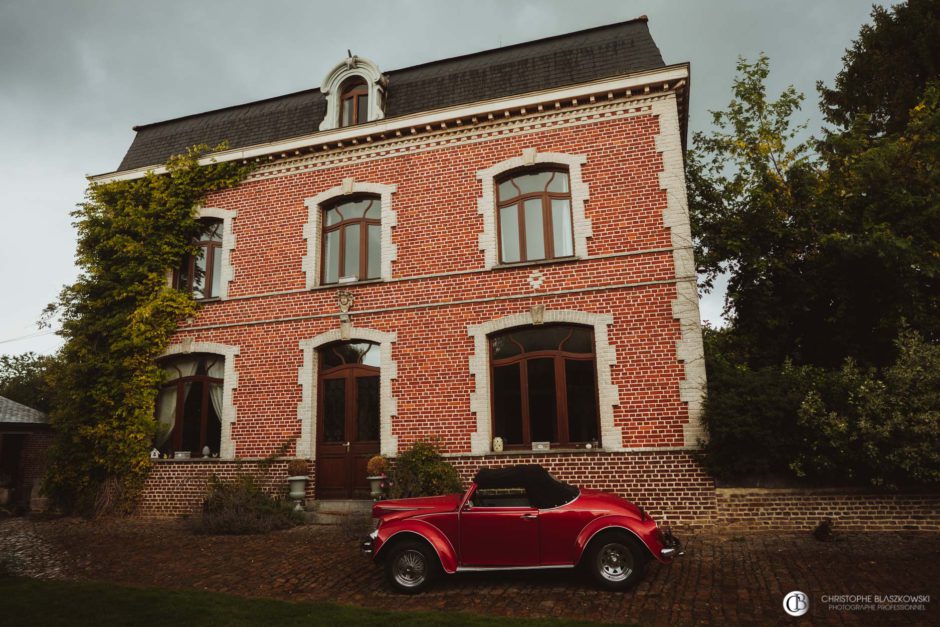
354, 102
354, 92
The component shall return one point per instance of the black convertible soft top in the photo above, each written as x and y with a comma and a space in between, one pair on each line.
544, 490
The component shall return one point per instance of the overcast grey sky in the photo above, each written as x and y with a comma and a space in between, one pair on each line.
76, 76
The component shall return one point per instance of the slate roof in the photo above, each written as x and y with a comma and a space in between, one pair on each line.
569, 59
13, 412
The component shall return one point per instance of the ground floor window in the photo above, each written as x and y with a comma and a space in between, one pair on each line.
189, 408
544, 385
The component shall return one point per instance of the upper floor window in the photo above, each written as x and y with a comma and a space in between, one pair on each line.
354, 91
352, 240
201, 274
544, 385
354, 102
189, 407
534, 215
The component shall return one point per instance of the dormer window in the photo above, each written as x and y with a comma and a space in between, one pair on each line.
354, 92
354, 102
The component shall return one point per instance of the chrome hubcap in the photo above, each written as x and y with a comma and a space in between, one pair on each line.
615, 562
410, 568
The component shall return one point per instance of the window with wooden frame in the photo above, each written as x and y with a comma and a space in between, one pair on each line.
534, 215
201, 274
354, 102
544, 386
189, 407
352, 240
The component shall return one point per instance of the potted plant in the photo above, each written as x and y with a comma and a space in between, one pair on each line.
297, 482
376, 468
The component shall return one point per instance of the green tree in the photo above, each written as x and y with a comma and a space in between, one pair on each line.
752, 201
887, 68
25, 379
116, 320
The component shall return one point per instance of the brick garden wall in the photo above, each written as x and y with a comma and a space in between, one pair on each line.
802, 510
178, 487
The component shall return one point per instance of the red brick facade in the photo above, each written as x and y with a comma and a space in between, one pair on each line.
626, 282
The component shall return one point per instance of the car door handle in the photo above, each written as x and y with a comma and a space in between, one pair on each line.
529, 516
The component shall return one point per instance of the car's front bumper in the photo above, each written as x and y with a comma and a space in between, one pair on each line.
367, 545
671, 545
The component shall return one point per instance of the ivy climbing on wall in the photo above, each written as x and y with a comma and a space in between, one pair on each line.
116, 319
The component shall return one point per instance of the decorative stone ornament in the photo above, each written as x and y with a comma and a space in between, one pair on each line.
538, 314
497, 445
344, 299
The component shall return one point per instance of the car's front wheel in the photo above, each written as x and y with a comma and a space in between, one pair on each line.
411, 566
616, 561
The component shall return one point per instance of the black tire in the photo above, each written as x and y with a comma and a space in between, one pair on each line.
616, 561
411, 566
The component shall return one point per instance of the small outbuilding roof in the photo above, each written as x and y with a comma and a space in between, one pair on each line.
553, 62
17, 413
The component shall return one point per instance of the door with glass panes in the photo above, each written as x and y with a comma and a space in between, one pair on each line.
348, 418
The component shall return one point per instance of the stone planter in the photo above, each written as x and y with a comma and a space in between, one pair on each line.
298, 491
375, 486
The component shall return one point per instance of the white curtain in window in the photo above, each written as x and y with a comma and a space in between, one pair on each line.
166, 402
216, 370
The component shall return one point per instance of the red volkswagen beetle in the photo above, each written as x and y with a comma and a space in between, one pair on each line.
516, 518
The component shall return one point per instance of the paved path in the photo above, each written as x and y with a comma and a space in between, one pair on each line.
723, 579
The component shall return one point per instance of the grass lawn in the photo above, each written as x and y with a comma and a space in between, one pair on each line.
38, 602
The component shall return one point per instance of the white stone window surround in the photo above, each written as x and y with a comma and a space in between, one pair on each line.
313, 229
354, 66
229, 383
227, 216
486, 204
307, 377
605, 357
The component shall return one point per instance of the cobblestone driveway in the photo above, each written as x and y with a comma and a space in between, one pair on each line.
722, 579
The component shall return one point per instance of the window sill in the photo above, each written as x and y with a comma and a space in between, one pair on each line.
540, 262
171, 460
326, 286
214, 299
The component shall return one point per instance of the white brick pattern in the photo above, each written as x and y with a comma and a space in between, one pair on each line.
307, 378
313, 231
689, 348
486, 204
229, 383
605, 356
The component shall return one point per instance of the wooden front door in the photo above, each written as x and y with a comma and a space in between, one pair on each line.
347, 419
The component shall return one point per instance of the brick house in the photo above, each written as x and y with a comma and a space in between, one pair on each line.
492, 250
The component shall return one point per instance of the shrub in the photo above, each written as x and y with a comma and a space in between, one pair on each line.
377, 466
421, 471
848, 426
879, 430
240, 506
750, 415
297, 468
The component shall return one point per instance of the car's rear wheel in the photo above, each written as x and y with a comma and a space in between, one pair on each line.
411, 566
616, 561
